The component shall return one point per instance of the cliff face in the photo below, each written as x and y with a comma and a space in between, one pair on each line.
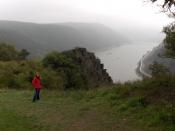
91, 66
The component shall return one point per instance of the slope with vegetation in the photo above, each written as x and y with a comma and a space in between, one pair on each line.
76, 68
146, 105
69, 100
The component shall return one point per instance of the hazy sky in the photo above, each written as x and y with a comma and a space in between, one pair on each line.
105, 11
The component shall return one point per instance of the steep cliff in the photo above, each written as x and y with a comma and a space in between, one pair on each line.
90, 65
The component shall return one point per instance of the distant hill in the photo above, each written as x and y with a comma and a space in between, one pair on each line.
42, 38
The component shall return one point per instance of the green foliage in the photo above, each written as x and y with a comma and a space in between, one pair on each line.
158, 69
52, 79
169, 40
73, 75
59, 70
9, 52
57, 60
23, 54
19, 75
56, 69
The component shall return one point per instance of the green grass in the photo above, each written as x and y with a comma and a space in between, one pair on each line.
139, 106
55, 111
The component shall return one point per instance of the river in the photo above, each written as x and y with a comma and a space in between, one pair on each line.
122, 61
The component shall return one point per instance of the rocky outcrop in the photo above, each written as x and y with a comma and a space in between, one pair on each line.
91, 65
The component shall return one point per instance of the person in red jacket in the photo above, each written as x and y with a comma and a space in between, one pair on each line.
36, 82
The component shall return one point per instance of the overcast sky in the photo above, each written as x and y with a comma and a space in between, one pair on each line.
108, 12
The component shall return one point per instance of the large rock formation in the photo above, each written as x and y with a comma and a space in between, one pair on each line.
91, 65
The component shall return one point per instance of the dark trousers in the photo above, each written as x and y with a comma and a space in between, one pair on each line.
36, 95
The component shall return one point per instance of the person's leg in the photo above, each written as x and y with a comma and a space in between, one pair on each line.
38, 92
35, 95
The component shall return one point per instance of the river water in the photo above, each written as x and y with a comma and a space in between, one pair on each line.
122, 61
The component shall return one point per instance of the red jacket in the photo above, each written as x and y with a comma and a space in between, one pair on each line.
36, 82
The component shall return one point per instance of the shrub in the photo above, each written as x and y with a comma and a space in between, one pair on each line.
62, 64
158, 69
52, 80
9, 52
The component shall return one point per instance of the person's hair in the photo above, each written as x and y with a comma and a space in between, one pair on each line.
37, 74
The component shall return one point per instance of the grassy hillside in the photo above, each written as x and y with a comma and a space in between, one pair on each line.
146, 105
78, 95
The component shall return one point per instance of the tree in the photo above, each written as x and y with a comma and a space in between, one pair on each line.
168, 6
158, 69
57, 60
23, 54
169, 40
64, 65
9, 52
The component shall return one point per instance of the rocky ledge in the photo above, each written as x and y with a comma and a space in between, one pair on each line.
91, 65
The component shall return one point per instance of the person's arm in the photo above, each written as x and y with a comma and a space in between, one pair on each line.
34, 81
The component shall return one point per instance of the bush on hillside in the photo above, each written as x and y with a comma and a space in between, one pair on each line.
19, 75
9, 52
158, 69
74, 77
170, 39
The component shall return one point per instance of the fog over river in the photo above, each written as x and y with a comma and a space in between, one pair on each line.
122, 61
